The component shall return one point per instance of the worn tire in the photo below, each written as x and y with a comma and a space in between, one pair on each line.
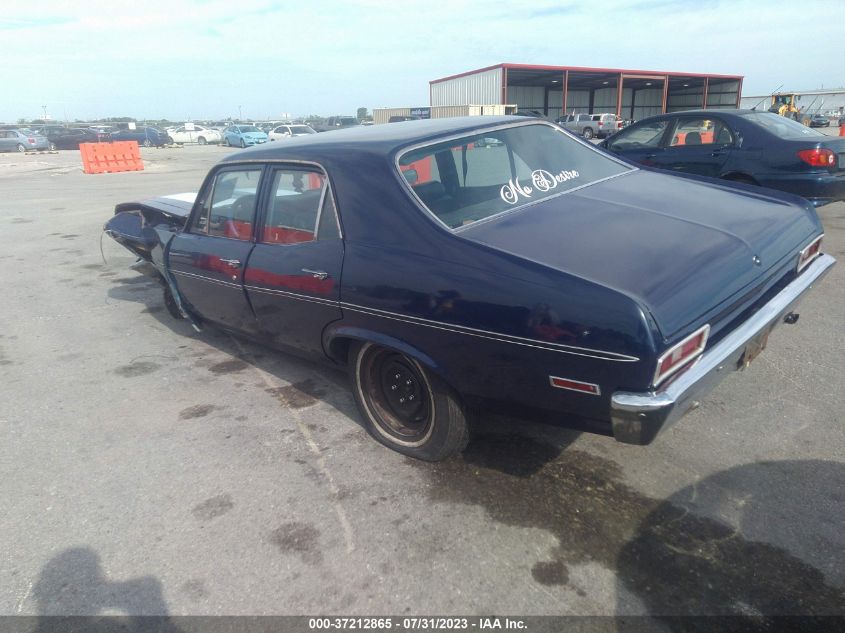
588, 133
442, 424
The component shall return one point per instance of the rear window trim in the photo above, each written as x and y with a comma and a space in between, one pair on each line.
493, 128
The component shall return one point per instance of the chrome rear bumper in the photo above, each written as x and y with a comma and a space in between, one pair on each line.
637, 418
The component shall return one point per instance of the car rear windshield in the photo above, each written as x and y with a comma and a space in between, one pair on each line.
301, 129
780, 126
463, 180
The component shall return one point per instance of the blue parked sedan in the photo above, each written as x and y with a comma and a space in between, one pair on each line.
145, 135
532, 274
243, 136
746, 146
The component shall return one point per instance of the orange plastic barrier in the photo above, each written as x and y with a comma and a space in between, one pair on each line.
842, 130
99, 158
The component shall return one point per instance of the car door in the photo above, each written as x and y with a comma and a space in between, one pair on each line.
67, 139
7, 141
696, 145
292, 278
208, 259
641, 142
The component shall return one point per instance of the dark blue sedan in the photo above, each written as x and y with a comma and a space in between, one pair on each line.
747, 146
492, 263
145, 135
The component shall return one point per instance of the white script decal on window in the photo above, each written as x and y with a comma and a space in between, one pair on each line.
542, 180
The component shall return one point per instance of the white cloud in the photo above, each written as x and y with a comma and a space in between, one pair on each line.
180, 58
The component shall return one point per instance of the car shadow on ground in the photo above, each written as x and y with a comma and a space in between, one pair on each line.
750, 542
323, 382
326, 383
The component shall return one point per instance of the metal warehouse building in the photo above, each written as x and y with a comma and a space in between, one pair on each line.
631, 94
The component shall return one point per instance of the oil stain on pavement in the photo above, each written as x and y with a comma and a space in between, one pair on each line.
213, 507
298, 538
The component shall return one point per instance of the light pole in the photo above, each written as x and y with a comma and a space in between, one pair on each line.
240, 114
45, 111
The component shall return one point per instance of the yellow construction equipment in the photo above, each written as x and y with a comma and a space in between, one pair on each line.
783, 103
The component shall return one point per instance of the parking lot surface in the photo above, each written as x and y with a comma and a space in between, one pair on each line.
146, 468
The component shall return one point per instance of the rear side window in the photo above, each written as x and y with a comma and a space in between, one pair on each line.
300, 208
639, 136
781, 126
482, 175
690, 132
228, 210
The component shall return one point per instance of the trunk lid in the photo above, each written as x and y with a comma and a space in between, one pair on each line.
680, 252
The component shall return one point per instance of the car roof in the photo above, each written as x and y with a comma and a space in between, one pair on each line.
376, 138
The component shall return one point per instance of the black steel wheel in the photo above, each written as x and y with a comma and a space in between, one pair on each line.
406, 407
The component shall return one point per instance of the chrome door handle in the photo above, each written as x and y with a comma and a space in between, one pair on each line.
234, 263
316, 274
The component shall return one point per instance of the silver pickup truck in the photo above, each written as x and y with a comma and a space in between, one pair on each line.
590, 125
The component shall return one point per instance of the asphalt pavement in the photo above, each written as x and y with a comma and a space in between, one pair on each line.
149, 469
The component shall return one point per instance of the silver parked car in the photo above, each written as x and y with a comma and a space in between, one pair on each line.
22, 141
590, 125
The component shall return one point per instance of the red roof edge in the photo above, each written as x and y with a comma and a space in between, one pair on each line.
614, 71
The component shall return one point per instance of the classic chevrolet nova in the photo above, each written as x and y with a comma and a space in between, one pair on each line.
488, 262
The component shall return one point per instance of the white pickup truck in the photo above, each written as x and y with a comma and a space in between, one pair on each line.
590, 125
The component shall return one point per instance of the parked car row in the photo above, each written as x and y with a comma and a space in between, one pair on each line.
54, 137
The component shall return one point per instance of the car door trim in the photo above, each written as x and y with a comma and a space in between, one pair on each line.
293, 295
205, 278
496, 336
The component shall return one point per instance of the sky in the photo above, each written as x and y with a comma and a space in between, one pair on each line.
261, 59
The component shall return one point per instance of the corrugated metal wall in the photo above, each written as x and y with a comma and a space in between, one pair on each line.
685, 98
647, 102
722, 95
482, 87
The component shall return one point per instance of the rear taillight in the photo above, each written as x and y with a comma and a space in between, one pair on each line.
31, 141
809, 253
681, 355
818, 157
